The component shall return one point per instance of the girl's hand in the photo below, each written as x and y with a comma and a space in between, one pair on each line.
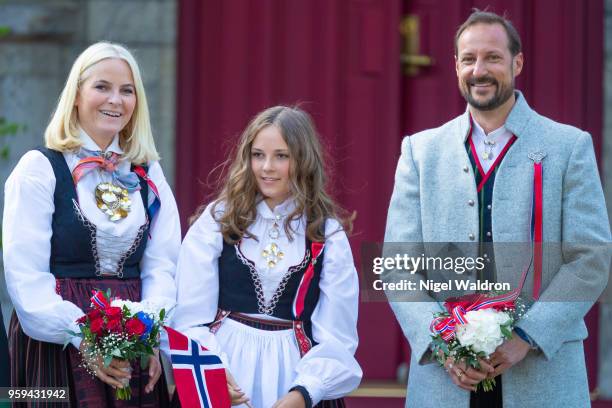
293, 399
237, 396
155, 370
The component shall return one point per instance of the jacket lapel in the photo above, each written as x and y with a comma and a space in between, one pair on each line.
513, 193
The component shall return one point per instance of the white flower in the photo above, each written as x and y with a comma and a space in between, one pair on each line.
482, 331
151, 308
147, 306
133, 307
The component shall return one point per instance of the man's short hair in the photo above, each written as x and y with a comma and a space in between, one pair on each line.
487, 17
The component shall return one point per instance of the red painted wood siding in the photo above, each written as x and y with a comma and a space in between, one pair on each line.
340, 60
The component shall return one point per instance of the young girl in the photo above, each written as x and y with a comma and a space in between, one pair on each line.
266, 276
63, 238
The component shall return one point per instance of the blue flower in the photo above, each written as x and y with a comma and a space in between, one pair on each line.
147, 321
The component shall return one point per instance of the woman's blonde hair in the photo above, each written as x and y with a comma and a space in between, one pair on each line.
239, 194
135, 138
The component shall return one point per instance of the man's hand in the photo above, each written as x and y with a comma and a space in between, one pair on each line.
509, 353
467, 377
293, 399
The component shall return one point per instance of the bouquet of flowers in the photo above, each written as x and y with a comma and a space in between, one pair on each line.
116, 328
473, 326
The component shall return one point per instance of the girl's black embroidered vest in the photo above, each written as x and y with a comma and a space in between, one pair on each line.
72, 254
240, 289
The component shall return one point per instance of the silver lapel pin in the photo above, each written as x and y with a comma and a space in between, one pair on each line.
538, 156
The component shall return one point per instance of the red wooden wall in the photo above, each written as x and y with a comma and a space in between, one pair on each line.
340, 60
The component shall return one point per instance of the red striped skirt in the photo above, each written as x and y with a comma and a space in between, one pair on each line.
40, 364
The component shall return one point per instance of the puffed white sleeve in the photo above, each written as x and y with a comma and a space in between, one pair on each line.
26, 233
329, 370
158, 264
197, 281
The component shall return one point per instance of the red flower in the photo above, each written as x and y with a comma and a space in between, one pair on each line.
94, 314
113, 312
81, 319
114, 325
134, 326
97, 326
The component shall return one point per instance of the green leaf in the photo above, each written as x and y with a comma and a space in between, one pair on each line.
4, 31
117, 353
162, 314
506, 332
4, 152
107, 360
144, 362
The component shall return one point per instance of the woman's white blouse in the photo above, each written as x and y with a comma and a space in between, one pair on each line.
26, 233
329, 370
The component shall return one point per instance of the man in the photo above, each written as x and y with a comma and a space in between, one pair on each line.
472, 180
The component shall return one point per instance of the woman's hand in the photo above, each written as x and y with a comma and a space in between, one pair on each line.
155, 371
117, 374
237, 396
467, 377
293, 399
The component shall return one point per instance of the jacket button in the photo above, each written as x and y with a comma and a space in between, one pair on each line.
488, 233
471, 203
471, 237
466, 169
489, 207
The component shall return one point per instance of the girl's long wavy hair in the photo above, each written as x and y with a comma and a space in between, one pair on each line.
238, 193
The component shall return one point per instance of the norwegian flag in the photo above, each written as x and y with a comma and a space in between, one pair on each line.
198, 373
99, 299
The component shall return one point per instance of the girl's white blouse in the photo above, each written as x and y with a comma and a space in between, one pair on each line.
26, 234
329, 370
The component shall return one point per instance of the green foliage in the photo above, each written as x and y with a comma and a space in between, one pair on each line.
7, 128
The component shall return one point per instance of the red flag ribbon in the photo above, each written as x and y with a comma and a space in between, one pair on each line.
458, 307
538, 206
298, 304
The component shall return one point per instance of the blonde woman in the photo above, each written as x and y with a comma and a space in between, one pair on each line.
267, 267
63, 238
